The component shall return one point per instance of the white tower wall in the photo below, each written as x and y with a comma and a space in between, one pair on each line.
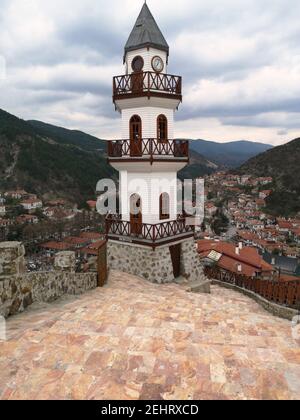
149, 117
147, 54
149, 186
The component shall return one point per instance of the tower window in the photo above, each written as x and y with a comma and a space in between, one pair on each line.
162, 129
137, 64
135, 128
164, 206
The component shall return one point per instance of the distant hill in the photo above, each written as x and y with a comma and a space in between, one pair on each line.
74, 137
53, 161
229, 155
282, 163
49, 160
198, 167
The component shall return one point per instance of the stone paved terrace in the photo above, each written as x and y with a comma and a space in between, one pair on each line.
134, 340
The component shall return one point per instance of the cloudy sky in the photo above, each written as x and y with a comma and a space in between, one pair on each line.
240, 60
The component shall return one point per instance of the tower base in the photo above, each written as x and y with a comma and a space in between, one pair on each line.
160, 265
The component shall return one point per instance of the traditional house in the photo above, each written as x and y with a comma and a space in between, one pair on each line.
32, 204
235, 259
265, 194
27, 219
17, 195
210, 209
264, 180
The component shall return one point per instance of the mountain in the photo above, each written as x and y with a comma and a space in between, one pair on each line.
50, 161
53, 161
64, 136
281, 163
198, 167
230, 155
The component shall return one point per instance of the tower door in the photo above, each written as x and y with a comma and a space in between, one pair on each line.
175, 252
135, 136
136, 216
137, 82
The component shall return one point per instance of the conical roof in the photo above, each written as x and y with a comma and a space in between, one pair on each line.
146, 33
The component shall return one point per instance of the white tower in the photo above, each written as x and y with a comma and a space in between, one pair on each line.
148, 237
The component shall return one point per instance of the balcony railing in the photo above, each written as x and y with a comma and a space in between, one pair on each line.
146, 83
148, 149
148, 234
282, 293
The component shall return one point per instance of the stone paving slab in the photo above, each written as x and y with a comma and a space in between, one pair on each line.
137, 340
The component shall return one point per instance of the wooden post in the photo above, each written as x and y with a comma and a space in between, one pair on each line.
102, 265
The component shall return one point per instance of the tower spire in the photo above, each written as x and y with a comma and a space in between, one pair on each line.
146, 33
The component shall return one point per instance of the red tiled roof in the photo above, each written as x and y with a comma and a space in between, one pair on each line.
92, 203
247, 255
31, 201
233, 266
91, 235
56, 246
59, 202
76, 240
285, 277
26, 217
284, 224
248, 236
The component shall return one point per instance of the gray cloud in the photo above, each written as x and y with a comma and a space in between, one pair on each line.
240, 61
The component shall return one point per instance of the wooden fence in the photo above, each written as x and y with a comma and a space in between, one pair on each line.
282, 293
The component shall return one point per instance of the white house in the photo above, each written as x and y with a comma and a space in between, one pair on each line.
32, 204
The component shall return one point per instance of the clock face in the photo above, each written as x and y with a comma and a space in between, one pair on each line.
137, 64
157, 64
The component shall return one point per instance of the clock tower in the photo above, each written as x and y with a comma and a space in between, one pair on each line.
149, 237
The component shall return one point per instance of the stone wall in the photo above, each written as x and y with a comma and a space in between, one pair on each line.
12, 260
155, 266
191, 267
18, 289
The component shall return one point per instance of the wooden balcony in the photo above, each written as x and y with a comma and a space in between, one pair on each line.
146, 234
147, 84
148, 149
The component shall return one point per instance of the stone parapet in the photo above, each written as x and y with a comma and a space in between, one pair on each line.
19, 292
12, 261
18, 289
191, 267
65, 261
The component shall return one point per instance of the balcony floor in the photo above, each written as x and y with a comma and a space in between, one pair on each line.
136, 340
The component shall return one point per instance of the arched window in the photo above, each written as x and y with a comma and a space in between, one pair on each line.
164, 206
162, 129
136, 216
135, 130
135, 127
